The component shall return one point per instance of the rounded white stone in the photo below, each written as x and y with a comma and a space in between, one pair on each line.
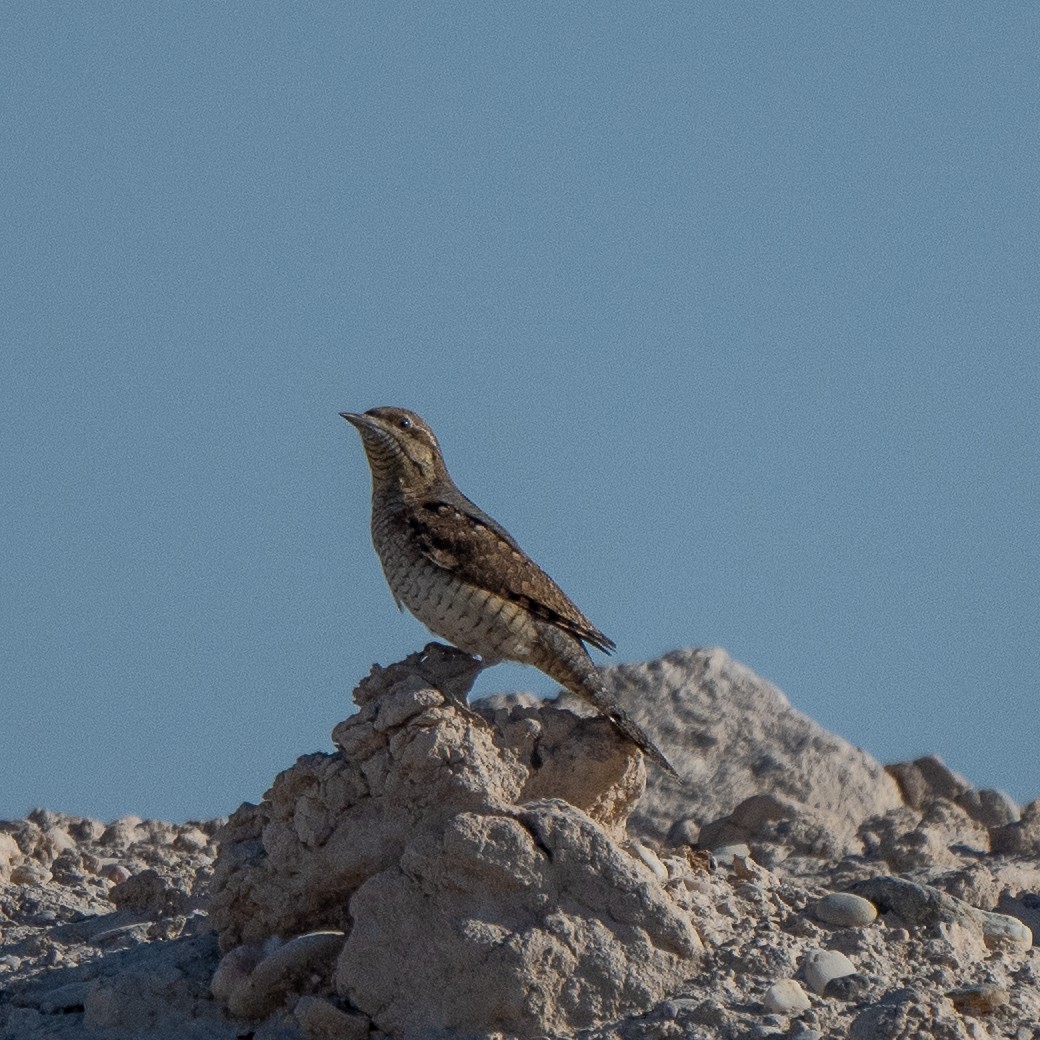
1003, 932
786, 997
821, 966
845, 910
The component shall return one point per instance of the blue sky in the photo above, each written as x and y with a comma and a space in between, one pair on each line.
728, 313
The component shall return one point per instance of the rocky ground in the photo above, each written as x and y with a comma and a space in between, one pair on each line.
510, 870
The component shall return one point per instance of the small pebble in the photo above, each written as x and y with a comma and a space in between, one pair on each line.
821, 966
650, 859
1005, 933
745, 868
845, 910
786, 997
978, 1000
1026, 908
115, 872
678, 1006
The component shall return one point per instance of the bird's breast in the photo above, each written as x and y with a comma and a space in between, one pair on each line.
474, 619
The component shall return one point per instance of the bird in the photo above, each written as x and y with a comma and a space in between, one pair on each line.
466, 578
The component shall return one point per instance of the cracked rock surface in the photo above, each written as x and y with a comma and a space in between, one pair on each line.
505, 870
472, 896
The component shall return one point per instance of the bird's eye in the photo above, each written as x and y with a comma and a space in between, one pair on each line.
405, 423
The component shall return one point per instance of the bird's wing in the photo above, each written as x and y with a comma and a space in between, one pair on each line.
454, 534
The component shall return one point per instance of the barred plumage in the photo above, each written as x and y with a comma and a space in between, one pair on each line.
465, 577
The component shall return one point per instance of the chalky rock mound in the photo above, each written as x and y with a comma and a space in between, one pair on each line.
733, 735
449, 876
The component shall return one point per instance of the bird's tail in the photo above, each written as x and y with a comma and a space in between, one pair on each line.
571, 665
637, 735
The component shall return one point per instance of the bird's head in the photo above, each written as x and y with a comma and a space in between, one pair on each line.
402, 450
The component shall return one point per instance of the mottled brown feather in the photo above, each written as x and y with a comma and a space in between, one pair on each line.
433, 543
456, 535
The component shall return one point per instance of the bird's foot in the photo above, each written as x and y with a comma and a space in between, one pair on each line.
452, 671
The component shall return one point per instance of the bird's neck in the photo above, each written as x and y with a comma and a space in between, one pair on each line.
398, 490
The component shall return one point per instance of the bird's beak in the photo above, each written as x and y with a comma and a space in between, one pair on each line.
367, 425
